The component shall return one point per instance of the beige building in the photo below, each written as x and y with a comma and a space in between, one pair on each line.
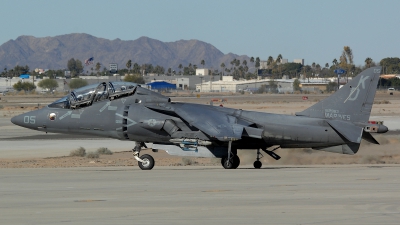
227, 84
301, 61
202, 72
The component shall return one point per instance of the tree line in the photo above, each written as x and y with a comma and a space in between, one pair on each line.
239, 69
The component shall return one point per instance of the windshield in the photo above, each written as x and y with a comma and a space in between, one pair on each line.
89, 94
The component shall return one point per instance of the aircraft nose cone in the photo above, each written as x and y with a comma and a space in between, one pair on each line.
27, 120
18, 120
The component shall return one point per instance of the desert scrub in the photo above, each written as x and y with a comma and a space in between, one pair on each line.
104, 151
187, 161
92, 155
382, 102
80, 152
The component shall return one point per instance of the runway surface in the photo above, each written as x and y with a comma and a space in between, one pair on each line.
201, 195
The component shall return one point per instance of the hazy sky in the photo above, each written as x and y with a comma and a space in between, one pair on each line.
315, 30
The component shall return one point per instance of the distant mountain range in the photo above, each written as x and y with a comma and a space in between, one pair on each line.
54, 52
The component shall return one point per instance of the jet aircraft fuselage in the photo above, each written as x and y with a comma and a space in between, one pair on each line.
129, 112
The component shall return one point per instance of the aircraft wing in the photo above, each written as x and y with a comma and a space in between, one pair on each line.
212, 122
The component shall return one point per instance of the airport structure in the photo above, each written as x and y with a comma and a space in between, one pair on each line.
194, 83
228, 84
264, 63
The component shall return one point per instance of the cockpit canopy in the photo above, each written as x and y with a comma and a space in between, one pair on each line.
87, 95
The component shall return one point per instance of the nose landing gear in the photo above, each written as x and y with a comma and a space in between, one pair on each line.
145, 162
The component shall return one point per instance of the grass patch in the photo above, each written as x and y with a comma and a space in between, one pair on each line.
80, 152
104, 151
92, 155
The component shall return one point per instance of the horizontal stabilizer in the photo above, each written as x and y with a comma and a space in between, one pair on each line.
351, 132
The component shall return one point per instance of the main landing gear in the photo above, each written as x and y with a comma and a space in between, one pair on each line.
231, 161
145, 162
257, 164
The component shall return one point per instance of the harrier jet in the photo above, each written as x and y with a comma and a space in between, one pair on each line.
128, 112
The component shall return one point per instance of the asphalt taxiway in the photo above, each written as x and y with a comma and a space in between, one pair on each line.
201, 195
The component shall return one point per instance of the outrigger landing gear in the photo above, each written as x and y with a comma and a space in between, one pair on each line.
145, 162
232, 161
258, 164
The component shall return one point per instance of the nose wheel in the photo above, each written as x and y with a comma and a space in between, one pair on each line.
145, 162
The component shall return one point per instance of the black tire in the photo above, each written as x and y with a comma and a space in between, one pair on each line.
149, 162
236, 161
230, 165
257, 164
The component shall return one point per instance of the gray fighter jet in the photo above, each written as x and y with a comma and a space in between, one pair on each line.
129, 112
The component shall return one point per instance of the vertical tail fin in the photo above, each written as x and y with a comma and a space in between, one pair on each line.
353, 102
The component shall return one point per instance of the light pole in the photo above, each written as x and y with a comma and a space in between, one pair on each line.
201, 84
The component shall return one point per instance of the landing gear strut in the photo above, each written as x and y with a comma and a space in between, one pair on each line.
232, 161
145, 162
257, 164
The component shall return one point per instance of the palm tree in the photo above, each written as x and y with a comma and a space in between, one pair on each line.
98, 67
223, 66
203, 63
318, 67
279, 58
270, 60
335, 62
129, 65
237, 62
252, 59
326, 65
232, 63
180, 68
368, 62
257, 65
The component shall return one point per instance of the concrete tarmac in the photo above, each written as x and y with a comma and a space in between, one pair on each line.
201, 195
